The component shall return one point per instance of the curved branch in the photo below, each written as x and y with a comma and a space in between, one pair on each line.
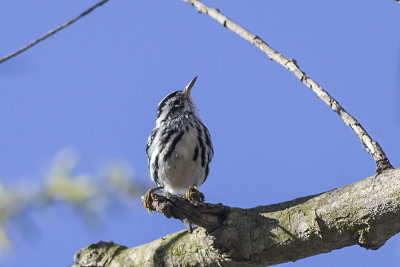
366, 213
52, 32
371, 146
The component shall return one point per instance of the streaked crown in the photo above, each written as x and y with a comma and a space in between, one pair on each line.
176, 103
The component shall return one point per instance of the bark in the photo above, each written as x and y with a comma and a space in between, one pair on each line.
366, 213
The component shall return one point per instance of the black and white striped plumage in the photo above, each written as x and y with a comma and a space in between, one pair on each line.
179, 149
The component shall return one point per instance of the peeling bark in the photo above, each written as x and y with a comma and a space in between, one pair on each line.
366, 213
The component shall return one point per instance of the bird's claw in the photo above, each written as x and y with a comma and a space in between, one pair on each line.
148, 199
194, 195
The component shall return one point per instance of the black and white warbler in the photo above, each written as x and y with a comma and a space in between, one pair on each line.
179, 148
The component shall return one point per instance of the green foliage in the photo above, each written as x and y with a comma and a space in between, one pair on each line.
88, 193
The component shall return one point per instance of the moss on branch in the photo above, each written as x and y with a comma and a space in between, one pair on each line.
366, 213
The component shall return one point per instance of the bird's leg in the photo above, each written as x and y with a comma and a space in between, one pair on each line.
148, 198
194, 195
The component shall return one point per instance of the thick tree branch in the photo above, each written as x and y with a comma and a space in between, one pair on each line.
371, 146
52, 32
366, 213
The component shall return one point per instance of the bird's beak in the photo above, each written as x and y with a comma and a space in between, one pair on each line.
189, 86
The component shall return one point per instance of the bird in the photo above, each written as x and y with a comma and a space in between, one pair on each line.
179, 149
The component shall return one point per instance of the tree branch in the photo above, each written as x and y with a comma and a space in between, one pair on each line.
52, 32
366, 213
371, 146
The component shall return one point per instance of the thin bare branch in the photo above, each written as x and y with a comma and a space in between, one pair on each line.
52, 32
371, 146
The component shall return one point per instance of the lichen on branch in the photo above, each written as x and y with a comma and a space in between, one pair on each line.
366, 213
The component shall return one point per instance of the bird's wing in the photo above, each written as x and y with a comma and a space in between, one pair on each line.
150, 141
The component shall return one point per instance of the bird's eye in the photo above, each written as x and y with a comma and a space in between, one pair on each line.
176, 103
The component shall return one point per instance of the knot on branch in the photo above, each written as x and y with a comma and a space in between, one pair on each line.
369, 239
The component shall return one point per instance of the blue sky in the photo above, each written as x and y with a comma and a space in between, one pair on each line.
94, 87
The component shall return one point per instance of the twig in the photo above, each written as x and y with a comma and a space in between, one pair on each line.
371, 146
52, 32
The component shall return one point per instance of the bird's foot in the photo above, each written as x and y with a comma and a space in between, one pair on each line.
148, 198
194, 195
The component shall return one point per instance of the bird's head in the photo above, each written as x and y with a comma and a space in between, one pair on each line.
176, 103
